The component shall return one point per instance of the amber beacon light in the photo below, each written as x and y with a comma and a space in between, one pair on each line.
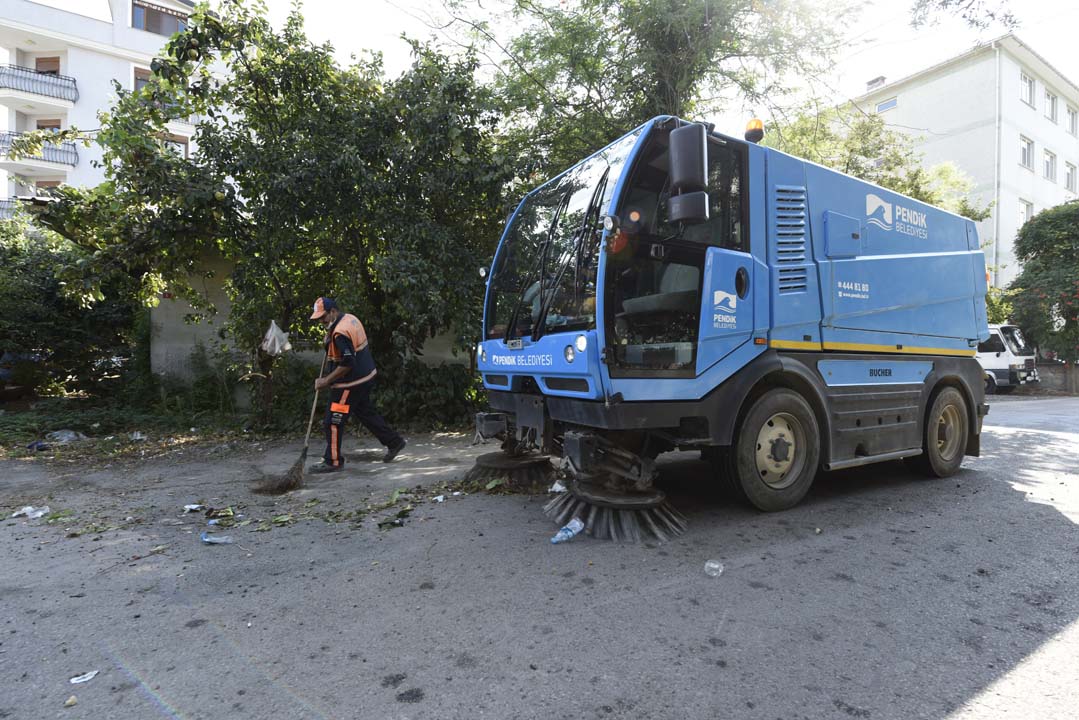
755, 130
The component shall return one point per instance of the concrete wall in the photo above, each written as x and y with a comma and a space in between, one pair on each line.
173, 339
1055, 378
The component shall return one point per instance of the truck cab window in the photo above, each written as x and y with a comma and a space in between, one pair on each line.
993, 345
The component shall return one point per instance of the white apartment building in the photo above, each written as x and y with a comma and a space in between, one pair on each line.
1005, 117
58, 60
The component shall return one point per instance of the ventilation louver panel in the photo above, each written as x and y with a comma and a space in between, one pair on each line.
790, 237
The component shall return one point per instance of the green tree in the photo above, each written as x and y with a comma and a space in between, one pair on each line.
860, 144
583, 72
1046, 293
40, 317
999, 305
312, 178
975, 13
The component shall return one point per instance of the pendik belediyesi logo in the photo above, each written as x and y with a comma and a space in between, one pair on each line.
887, 216
725, 301
878, 211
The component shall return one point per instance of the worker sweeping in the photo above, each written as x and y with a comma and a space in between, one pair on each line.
350, 381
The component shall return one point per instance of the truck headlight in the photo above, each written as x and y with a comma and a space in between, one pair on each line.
582, 343
569, 353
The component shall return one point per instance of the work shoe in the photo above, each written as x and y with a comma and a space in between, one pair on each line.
391, 453
325, 467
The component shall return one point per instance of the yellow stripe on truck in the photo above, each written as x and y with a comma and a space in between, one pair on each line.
864, 347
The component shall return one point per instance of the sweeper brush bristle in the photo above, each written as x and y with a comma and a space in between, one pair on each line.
524, 472
280, 484
660, 521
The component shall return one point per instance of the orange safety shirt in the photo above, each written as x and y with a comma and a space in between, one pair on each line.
355, 352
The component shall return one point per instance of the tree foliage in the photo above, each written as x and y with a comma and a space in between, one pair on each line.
978, 14
860, 144
1046, 293
41, 318
581, 73
312, 178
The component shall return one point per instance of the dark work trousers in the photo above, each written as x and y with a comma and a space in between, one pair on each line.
354, 401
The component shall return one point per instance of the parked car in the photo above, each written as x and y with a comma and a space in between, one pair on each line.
1007, 360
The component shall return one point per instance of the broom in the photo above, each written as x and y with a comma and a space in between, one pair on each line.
293, 479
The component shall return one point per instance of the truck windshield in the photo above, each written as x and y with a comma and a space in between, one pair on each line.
1016, 342
550, 233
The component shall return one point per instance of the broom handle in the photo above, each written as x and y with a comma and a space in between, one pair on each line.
314, 404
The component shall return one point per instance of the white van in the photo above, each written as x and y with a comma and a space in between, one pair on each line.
1006, 359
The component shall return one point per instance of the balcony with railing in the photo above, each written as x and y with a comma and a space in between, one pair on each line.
34, 91
50, 156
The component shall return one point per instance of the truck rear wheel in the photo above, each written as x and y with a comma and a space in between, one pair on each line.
776, 451
944, 439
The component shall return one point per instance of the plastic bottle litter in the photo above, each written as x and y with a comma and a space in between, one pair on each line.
65, 436
31, 512
568, 531
558, 487
137, 436
439, 498
193, 508
713, 568
209, 539
84, 678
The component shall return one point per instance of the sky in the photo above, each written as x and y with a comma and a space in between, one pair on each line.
879, 42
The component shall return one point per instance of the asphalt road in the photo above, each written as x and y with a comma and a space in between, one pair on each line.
882, 596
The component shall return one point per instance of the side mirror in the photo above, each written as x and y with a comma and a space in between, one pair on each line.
689, 175
689, 158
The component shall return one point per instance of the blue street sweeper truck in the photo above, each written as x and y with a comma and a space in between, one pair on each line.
681, 289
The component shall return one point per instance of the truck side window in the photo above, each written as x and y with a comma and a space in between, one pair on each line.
649, 191
993, 345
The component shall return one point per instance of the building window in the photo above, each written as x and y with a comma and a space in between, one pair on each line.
53, 125
1069, 176
1026, 88
142, 78
1050, 106
47, 65
1050, 166
177, 144
156, 19
1073, 121
887, 105
1026, 212
1026, 152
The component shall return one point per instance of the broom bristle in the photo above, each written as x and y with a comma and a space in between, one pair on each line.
661, 521
279, 484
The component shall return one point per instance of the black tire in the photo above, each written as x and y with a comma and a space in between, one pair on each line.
990, 384
776, 451
726, 481
944, 435
1006, 389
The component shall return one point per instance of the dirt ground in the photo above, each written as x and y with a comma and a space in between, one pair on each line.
881, 596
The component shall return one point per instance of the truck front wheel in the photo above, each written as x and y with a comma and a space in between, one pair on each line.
776, 450
944, 440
